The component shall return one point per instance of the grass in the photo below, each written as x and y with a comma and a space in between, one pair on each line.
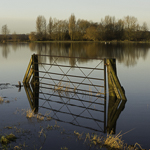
40, 117
111, 141
64, 148
78, 134
114, 141
7, 139
29, 113
60, 88
1, 100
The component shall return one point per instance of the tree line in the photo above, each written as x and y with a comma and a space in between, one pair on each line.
108, 29
5, 36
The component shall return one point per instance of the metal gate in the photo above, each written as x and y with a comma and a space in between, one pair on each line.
70, 87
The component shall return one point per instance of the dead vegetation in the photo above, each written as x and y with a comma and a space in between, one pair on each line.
111, 141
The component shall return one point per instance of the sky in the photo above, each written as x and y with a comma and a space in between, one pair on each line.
20, 15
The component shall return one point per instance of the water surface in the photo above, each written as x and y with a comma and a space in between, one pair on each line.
132, 65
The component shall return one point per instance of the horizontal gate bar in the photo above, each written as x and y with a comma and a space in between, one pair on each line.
71, 57
70, 82
71, 66
93, 92
63, 112
70, 75
72, 98
73, 123
78, 106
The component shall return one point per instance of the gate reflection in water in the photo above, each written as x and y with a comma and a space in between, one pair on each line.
74, 93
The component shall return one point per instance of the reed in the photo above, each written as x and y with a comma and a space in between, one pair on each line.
1, 100
114, 141
7, 139
39, 117
111, 141
29, 113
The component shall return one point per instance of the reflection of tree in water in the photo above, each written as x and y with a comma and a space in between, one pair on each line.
127, 53
5, 50
132, 52
14, 46
32, 46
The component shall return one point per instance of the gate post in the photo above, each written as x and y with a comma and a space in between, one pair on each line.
35, 70
110, 84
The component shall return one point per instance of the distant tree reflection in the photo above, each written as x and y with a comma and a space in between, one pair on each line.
126, 53
5, 50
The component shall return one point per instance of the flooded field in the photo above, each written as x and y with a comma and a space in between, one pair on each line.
72, 99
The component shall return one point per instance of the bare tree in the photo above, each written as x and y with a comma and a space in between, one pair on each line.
145, 33
50, 27
109, 27
41, 27
72, 23
5, 32
119, 29
130, 26
63, 24
144, 26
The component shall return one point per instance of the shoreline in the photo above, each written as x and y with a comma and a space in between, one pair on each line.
105, 42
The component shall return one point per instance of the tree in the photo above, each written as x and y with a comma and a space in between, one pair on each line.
119, 30
82, 26
144, 26
56, 29
41, 27
50, 27
5, 32
14, 37
63, 25
91, 33
72, 23
145, 34
109, 27
130, 27
32, 36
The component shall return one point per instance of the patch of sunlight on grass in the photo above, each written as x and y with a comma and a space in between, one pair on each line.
111, 141
29, 113
40, 117
114, 141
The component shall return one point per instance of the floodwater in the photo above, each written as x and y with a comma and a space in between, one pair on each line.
80, 107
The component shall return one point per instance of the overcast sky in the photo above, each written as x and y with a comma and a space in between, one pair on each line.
20, 15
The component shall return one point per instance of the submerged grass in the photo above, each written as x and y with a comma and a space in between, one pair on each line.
7, 139
29, 113
65, 88
111, 141
1, 100
40, 117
